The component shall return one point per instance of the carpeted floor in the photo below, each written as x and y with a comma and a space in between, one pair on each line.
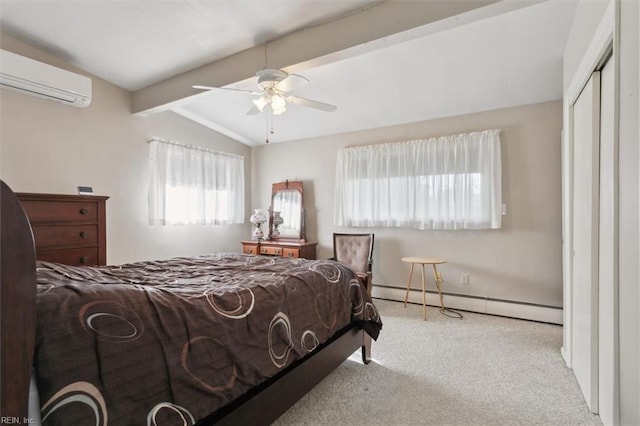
481, 370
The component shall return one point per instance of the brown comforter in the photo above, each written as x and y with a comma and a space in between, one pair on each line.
169, 342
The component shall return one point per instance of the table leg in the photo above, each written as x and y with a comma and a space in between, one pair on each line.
406, 297
438, 278
424, 296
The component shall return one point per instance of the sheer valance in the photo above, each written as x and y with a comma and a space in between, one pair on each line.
193, 185
449, 182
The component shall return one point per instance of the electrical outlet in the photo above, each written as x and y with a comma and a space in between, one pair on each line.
464, 279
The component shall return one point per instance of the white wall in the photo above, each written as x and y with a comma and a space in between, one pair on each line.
520, 262
52, 148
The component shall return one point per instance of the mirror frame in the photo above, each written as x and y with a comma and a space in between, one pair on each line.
287, 186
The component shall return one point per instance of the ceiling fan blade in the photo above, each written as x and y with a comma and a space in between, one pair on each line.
251, 92
311, 104
253, 111
204, 87
291, 82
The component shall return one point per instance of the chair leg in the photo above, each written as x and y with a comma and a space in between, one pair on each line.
438, 278
424, 296
406, 297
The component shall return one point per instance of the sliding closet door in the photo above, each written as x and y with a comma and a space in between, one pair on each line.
607, 274
586, 135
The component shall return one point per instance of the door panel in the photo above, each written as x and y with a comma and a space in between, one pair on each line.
607, 276
586, 135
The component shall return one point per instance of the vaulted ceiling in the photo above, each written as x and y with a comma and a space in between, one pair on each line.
380, 63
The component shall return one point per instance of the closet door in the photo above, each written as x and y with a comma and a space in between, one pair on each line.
586, 145
607, 274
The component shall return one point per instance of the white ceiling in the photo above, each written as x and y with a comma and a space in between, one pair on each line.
508, 58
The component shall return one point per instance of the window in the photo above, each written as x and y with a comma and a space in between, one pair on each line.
191, 185
450, 182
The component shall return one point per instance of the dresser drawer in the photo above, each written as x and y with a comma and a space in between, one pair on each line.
61, 211
74, 257
64, 235
271, 251
249, 249
291, 252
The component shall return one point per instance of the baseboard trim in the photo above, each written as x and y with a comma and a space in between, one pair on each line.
505, 308
565, 357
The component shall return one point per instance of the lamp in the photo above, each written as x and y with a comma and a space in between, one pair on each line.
277, 221
258, 218
260, 103
278, 103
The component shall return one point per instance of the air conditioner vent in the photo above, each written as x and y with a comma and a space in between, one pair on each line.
35, 78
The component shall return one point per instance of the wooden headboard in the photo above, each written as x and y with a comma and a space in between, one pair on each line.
69, 229
17, 305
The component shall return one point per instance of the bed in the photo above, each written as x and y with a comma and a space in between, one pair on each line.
219, 338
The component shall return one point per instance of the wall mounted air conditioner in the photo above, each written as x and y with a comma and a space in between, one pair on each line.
35, 78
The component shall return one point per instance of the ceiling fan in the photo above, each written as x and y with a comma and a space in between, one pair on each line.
275, 86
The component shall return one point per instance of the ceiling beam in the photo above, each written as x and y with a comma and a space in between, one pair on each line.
384, 24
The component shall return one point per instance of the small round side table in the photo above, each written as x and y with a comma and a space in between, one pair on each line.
433, 261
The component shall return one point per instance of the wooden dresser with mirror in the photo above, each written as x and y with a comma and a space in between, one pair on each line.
286, 234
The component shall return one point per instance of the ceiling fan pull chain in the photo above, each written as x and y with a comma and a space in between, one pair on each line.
269, 124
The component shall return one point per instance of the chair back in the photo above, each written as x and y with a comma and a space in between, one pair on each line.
354, 250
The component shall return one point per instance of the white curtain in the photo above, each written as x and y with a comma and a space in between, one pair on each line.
450, 182
192, 185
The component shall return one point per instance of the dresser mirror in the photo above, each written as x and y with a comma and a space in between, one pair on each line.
286, 214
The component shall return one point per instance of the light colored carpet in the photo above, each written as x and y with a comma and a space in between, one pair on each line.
481, 370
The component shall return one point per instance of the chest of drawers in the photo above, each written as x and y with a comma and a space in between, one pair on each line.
280, 248
69, 229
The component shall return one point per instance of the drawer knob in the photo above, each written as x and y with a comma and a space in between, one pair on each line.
84, 211
84, 259
84, 234
290, 254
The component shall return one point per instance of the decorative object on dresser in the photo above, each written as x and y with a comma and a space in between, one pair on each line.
277, 220
85, 190
69, 229
258, 218
286, 236
287, 202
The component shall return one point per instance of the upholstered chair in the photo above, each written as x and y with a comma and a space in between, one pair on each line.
355, 251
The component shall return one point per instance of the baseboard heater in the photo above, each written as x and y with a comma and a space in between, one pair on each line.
483, 305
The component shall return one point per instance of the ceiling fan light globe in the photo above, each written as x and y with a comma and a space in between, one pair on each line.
278, 102
278, 111
260, 103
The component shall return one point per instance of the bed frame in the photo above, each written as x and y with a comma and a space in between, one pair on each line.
261, 405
